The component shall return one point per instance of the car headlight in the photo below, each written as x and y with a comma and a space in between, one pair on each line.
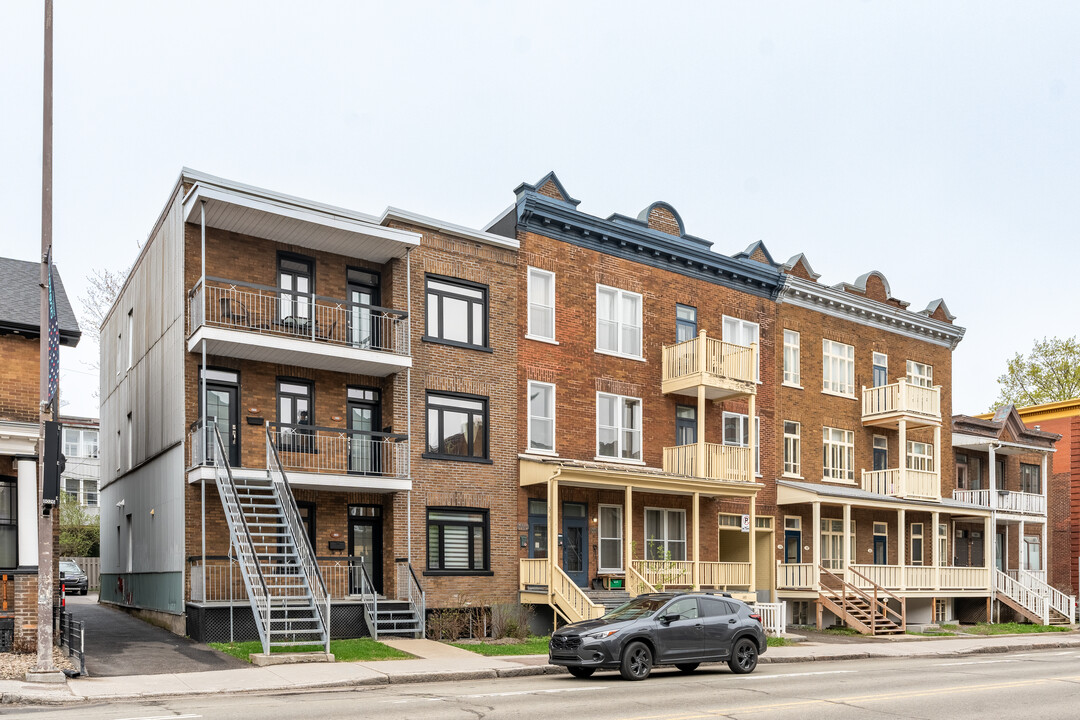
600, 634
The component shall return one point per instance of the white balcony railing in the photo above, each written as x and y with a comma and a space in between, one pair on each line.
904, 578
704, 354
722, 462
1004, 500
901, 397
902, 483
264, 310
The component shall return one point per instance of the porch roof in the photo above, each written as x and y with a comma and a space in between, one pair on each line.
790, 492
601, 475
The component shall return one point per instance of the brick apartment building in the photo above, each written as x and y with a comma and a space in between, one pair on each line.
20, 497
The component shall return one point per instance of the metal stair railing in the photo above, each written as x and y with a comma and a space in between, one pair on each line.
305, 554
240, 535
1059, 602
409, 588
1024, 596
371, 609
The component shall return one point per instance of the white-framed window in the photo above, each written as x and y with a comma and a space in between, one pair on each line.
737, 434
920, 456
729, 520
541, 304
1033, 553
838, 368
793, 522
920, 374
832, 543
618, 321
792, 374
541, 416
83, 490
916, 543
80, 442
131, 338
879, 369
611, 538
763, 522
881, 528
839, 454
745, 333
665, 534
618, 427
792, 448
943, 544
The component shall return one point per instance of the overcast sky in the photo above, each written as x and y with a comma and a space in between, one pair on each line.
936, 142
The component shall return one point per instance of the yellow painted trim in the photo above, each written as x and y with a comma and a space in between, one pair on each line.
797, 496
532, 472
1046, 411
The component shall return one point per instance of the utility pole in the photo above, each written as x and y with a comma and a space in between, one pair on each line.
45, 672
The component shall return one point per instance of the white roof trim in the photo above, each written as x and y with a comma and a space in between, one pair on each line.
393, 213
837, 303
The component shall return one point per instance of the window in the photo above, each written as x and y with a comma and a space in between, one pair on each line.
1032, 553
457, 312
792, 448
1030, 479
611, 538
916, 543
742, 332
116, 451
920, 374
792, 375
541, 416
832, 543
999, 479
80, 443
920, 456
839, 454
131, 338
130, 444
685, 323
618, 321
541, 304
119, 352
881, 452
881, 543
457, 540
793, 522
665, 534
685, 424
728, 520
941, 610
838, 368
9, 523
618, 427
295, 413
296, 282
943, 544
85, 492
457, 427
737, 434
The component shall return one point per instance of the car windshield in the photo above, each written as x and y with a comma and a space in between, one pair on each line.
69, 567
636, 608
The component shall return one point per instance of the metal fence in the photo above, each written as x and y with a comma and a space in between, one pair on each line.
73, 638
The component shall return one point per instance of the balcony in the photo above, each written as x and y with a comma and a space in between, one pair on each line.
722, 462
725, 370
903, 483
898, 578
1021, 503
264, 324
887, 405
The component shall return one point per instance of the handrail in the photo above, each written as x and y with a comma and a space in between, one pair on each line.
371, 614
1058, 601
572, 595
343, 431
306, 554
282, 291
221, 465
414, 593
1025, 596
875, 602
636, 583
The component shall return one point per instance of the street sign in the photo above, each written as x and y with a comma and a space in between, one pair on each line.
746, 523
52, 464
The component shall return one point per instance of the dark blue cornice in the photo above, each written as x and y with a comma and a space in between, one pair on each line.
633, 241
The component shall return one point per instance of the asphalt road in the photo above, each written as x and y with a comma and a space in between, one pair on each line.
1044, 684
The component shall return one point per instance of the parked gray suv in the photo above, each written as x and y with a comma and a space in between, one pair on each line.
680, 629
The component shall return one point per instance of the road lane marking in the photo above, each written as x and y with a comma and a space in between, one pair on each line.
535, 692
802, 674
164, 717
976, 662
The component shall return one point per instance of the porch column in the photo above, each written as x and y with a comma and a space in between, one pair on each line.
935, 555
697, 540
553, 529
1042, 547
1044, 478
1021, 551
845, 552
628, 532
753, 545
937, 458
902, 451
751, 440
901, 545
815, 545
699, 431
27, 509
988, 549
992, 476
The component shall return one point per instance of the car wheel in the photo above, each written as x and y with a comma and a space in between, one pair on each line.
581, 672
743, 657
687, 667
84, 591
636, 662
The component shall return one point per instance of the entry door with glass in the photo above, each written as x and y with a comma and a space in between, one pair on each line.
223, 412
575, 537
538, 526
881, 453
363, 289
365, 412
365, 546
296, 285
881, 543
881, 369
685, 424
792, 540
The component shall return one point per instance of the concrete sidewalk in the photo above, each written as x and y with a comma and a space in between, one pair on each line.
437, 662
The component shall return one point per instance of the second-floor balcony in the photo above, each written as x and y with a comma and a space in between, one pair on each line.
1006, 501
721, 462
724, 369
267, 324
887, 405
903, 483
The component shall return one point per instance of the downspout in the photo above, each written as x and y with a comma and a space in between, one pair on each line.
202, 386
408, 401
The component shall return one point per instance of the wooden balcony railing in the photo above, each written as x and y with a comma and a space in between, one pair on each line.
903, 578
1004, 500
901, 398
708, 356
722, 462
902, 483
687, 573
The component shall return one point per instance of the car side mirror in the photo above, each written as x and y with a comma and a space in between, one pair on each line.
670, 618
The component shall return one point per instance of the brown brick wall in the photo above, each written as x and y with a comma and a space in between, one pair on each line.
19, 372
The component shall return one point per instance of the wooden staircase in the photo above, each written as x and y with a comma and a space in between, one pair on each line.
866, 611
1033, 599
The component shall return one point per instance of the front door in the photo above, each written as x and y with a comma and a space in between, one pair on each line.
538, 525
223, 412
792, 547
881, 453
296, 283
880, 373
365, 546
363, 289
364, 418
575, 551
999, 551
881, 550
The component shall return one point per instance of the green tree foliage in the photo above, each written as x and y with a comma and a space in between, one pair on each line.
79, 529
1049, 373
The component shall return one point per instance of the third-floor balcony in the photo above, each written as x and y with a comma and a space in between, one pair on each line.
724, 369
1006, 501
887, 405
267, 324
718, 462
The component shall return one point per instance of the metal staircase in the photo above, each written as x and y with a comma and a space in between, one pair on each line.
288, 596
1033, 598
865, 611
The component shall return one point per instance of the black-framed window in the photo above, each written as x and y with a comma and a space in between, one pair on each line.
685, 424
9, 523
457, 312
296, 281
296, 414
685, 323
457, 427
1030, 479
457, 541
